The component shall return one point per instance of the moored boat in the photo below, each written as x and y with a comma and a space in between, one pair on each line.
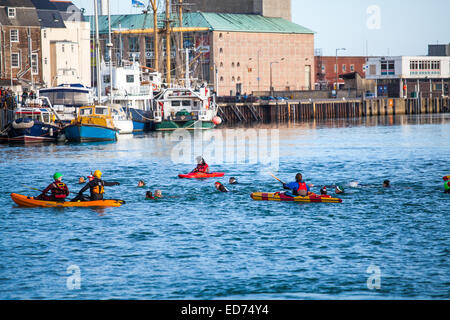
185, 108
33, 124
94, 123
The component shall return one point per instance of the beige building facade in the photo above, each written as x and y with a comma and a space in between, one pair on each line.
244, 62
66, 54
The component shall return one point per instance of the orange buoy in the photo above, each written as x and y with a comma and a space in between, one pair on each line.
217, 120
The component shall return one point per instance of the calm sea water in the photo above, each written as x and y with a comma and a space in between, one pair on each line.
202, 244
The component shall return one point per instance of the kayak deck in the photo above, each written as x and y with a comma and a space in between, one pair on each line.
25, 201
277, 196
201, 175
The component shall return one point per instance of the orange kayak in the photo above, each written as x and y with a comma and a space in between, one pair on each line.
25, 201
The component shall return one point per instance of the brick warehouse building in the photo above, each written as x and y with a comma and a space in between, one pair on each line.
20, 43
242, 48
325, 69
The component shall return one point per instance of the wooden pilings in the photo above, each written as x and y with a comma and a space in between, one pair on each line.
292, 111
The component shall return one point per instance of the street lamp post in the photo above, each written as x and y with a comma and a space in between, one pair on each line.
271, 77
337, 68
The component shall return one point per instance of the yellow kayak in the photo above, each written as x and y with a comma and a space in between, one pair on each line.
277, 196
25, 201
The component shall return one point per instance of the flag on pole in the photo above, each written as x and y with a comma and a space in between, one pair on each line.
137, 4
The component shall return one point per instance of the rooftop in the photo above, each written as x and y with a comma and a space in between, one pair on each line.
214, 21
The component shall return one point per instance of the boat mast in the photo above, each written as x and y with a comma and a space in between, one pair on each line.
109, 45
154, 4
187, 81
97, 53
168, 47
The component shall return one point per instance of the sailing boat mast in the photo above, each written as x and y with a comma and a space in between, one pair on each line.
97, 53
109, 45
154, 4
168, 47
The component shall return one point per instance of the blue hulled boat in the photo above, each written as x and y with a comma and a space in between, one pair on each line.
33, 125
94, 123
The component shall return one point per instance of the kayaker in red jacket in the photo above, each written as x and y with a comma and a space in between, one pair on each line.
202, 166
58, 189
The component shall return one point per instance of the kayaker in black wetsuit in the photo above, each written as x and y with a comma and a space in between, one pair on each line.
96, 186
59, 190
232, 180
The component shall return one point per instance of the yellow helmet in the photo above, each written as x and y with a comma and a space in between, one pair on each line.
98, 174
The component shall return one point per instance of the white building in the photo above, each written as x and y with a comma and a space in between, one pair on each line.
410, 75
66, 49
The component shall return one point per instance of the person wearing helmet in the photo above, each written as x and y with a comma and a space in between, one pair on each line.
232, 180
58, 189
96, 187
220, 187
447, 186
339, 190
323, 191
298, 187
202, 166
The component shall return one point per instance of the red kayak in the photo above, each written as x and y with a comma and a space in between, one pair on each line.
201, 175
446, 178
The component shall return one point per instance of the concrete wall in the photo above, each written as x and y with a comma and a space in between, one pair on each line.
268, 8
243, 57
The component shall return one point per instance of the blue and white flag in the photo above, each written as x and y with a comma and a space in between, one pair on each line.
137, 4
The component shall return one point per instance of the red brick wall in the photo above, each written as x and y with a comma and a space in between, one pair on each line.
22, 48
329, 73
241, 57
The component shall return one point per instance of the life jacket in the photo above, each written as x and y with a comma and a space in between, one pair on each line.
202, 168
59, 190
99, 188
301, 186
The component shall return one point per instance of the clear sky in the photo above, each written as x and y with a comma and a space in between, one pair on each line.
394, 27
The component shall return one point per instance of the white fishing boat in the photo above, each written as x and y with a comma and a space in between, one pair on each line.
121, 119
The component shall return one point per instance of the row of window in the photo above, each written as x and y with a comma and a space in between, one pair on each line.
16, 62
233, 79
425, 65
344, 68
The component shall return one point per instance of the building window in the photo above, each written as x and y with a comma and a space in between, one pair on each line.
15, 60
232, 64
238, 64
133, 44
45, 61
45, 34
62, 48
11, 12
344, 68
233, 79
352, 67
221, 79
323, 68
220, 35
239, 79
335, 68
221, 64
148, 44
34, 63
106, 79
14, 35
71, 47
221, 50
130, 78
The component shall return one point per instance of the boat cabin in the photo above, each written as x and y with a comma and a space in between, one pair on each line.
35, 114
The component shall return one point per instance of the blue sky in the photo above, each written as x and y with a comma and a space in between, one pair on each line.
395, 27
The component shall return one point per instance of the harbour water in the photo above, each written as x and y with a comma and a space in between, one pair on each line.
202, 244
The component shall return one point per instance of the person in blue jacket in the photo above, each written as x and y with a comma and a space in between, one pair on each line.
299, 187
